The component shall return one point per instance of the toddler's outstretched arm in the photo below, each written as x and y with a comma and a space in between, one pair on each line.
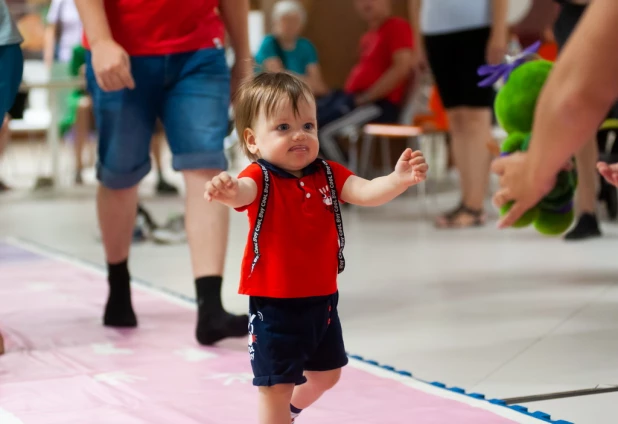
411, 169
231, 191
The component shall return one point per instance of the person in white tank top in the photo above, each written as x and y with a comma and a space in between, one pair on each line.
456, 37
444, 16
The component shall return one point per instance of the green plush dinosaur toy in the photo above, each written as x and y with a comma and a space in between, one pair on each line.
515, 106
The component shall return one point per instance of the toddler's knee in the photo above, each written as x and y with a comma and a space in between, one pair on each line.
278, 390
325, 380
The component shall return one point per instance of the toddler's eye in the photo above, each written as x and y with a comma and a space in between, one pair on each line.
309, 126
283, 127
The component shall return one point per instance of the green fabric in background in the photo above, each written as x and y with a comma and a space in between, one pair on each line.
69, 115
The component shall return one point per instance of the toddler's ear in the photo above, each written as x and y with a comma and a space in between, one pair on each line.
249, 138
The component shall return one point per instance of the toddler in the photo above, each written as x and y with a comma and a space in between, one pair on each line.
295, 244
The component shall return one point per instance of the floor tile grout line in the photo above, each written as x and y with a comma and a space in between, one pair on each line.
543, 336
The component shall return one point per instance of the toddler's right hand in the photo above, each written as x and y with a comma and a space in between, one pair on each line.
221, 188
609, 172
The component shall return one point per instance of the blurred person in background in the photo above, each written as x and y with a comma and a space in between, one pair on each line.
454, 38
285, 49
380, 79
63, 34
11, 69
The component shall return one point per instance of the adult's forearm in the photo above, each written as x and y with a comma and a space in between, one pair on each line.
94, 20
414, 10
579, 91
386, 83
499, 15
235, 16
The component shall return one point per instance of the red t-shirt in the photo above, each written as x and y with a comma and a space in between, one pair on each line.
158, 27
376, 56
298, 241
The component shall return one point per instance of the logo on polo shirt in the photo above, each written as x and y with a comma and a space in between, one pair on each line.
327, 198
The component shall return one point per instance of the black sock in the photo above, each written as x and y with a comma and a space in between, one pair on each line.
213, 322
119, 310
295, 411
118, 275
208, 292
587, 226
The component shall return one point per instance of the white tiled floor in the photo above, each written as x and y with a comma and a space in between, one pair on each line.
587, 409
502, 313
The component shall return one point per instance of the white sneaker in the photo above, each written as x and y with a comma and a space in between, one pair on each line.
172, 233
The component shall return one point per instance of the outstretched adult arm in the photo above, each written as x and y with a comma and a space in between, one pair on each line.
577, 95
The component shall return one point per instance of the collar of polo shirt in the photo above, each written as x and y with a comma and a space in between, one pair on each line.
312, 168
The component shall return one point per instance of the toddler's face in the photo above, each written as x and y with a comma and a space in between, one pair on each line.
286, 139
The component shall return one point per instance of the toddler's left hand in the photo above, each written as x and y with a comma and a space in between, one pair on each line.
411, 167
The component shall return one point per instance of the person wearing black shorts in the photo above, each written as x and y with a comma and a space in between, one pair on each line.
455, 38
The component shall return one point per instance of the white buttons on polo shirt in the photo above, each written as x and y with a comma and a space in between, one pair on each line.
308, 195
302, 184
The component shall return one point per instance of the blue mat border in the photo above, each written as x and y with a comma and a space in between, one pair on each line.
540, 415
543, 416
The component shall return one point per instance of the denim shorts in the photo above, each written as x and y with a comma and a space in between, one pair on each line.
11, 70
290, 336
189, 93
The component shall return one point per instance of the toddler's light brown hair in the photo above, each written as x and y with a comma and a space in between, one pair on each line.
264, 92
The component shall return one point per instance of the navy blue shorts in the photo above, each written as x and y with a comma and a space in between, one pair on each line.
290, 336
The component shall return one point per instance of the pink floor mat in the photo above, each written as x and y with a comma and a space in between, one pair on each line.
63, 367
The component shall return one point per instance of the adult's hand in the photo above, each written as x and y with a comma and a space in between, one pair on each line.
518, 185
496, 49
112, 66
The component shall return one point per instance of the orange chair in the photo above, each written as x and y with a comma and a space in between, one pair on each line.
423, 123
415, 102
425, 120
437, 119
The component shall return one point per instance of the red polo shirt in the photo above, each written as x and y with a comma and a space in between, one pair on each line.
159, 27
298, 239
376, 56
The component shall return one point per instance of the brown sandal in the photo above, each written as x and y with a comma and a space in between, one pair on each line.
453, 219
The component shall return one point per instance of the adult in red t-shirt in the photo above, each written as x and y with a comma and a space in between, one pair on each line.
164, 59
381, 76
384, 49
